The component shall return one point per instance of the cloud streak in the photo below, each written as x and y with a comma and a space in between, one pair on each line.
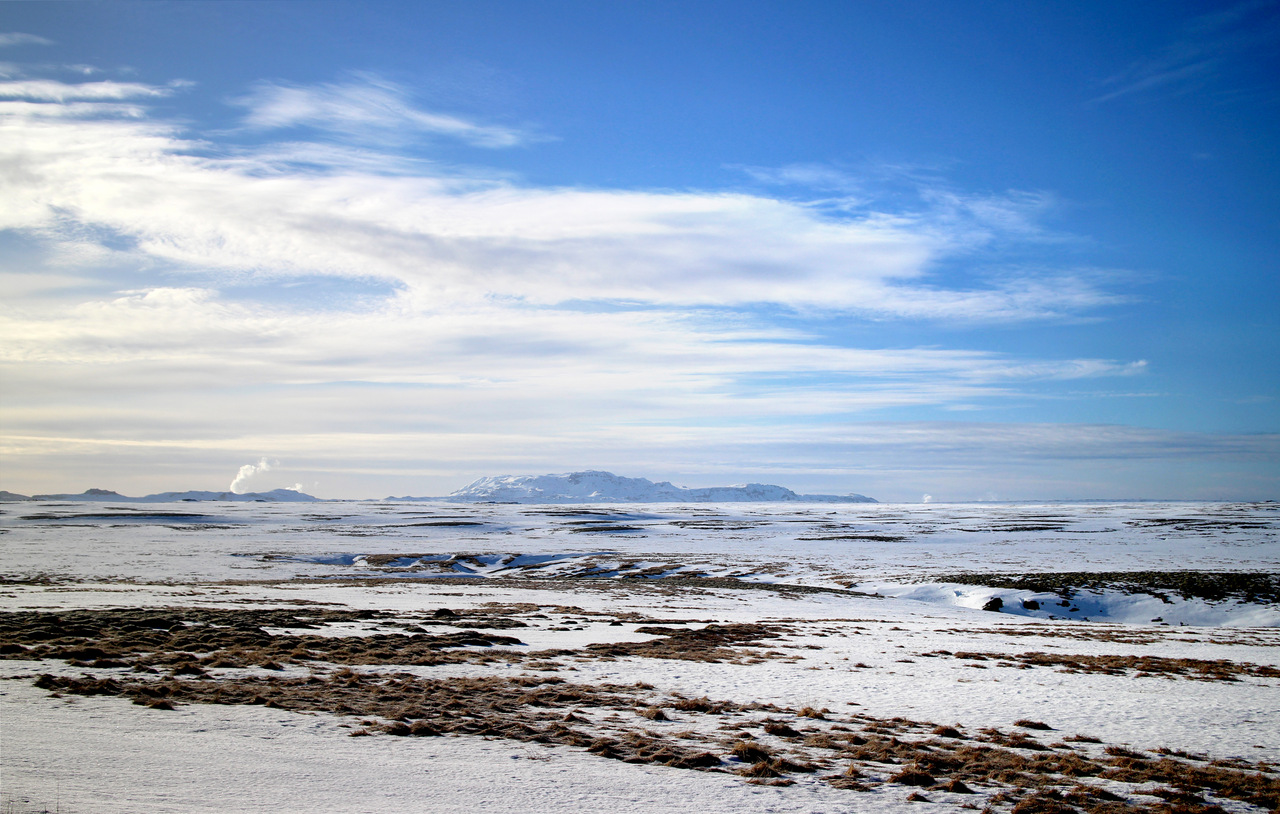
50, 90
1211, 45
11, 38
663, 353
367, 106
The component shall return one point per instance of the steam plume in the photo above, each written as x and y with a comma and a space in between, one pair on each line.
248, 471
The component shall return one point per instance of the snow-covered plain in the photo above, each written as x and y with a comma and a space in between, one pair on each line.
884, 624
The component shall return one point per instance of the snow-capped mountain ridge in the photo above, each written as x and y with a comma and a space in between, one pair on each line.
593, 486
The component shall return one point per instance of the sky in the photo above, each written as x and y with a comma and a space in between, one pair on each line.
912, 250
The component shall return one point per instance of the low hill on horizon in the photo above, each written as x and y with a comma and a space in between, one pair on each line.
108, 496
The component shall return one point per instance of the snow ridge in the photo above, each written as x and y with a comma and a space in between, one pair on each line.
593, 486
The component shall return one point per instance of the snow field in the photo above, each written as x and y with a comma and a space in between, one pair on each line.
877, 656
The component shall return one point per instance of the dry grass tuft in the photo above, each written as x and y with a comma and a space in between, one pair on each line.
956, 787
1029, 724
780, 730
762, 768
913, 777
750, 752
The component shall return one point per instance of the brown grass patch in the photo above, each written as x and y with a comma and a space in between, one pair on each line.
913, 777
1191, 669
713, 643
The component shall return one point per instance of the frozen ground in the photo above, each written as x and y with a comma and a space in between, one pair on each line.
630, 598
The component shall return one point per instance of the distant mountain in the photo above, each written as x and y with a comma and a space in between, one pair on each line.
606, 487
9, 497
106, 495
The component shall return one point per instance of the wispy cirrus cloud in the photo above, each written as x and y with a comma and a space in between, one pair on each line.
1211, 45
49, 90
963, 216
660, 352
808, 175
14, 70
11, 38
367, 106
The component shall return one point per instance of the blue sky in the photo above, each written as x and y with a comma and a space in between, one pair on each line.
972, 251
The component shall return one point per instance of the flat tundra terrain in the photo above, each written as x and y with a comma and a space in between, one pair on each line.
440, 657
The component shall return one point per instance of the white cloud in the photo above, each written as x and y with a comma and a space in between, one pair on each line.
813, 176
15, 112
651, 356
50, 90
451, 237
368, 106
17, 38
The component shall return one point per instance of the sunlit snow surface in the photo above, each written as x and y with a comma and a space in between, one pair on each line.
851, 651
905, 551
